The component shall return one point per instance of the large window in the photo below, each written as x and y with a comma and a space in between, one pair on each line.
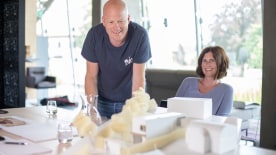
180, 29
64, 24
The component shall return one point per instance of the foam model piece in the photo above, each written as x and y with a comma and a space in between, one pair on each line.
119, 128
154, 125
154, 152
207, 136
84, 125
116, 136
154, 143
200, 108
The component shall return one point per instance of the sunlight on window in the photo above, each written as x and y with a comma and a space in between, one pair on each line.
65, 33
64, 25
178, 31
178, 34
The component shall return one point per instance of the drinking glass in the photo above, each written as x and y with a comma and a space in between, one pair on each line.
51, 108
65, 132
89, 107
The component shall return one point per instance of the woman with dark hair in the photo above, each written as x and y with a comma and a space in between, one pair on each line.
212, 66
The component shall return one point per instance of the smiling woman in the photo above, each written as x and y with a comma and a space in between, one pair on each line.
208, 84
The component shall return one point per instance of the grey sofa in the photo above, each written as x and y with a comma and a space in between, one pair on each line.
162, 84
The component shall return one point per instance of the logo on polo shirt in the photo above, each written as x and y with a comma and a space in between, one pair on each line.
128, 61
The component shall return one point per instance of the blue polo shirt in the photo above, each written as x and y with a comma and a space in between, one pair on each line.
116, 63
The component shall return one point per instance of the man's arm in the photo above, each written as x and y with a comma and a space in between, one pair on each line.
91, 78
138, 78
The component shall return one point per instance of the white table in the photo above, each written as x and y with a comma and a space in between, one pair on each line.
39, 114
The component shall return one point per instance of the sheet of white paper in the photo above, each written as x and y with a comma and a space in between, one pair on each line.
34, 131
30, 148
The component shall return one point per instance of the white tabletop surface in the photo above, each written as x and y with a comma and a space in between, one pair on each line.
38, 114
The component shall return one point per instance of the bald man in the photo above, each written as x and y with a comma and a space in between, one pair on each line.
116, 52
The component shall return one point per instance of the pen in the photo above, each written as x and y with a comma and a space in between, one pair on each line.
17, 143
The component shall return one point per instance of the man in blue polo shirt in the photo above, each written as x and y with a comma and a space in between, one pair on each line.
116, 51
